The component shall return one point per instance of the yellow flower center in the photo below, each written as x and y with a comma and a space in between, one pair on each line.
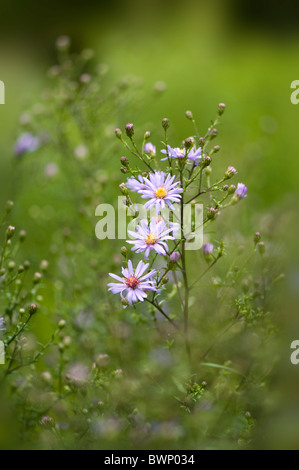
161, 192
132, 282
151, 239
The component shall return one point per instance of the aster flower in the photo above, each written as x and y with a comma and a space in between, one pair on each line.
134, 283
193, 156
151, 236
159, 189
240, 192
26, 143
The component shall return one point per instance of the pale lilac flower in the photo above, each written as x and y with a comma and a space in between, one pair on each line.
134, 184
174, 257
159, 189
208, 249
193, 156
134, 283
151, 236
150, 149
26, 143
241, 191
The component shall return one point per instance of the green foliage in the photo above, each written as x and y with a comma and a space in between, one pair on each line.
81, 372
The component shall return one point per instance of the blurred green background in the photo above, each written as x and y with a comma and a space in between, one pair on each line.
242, 53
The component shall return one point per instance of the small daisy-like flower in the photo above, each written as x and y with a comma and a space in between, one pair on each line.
134, 283
193, 156
159, 189
241, 191
26, 143
151, 236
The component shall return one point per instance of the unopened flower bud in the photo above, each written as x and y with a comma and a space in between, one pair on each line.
188, 143
124, 161
130, 130
118, 133
216, 148
61, 347
44, 265
225, 187
125, 302
9, 206
189, 115
257, 237
46, 376
124, 169
230, 172
22, 235
32, 309
26, 265
147, 135
174, 257
124, 251
21, 269
11, 265
221, 108
261, 247
10, 232
212, 212
61, 324
207, 160
231, 189
213, 132
37, 278
164, 280
165, 124
123, 188
201, 141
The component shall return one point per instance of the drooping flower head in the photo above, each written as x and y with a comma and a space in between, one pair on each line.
26, 143
194, 154
158, 188
151, 236
134, 283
